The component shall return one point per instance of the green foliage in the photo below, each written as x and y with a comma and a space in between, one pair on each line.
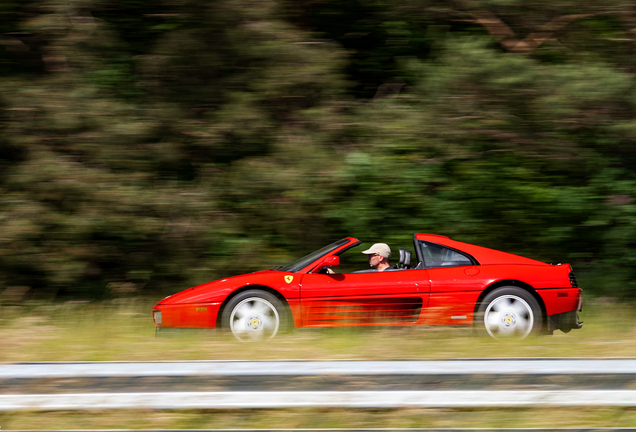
151, 146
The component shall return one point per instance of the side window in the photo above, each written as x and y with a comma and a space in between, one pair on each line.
439, 256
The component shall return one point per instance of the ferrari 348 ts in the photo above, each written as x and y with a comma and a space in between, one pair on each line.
445, 282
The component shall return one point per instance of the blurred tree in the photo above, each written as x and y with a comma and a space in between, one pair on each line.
121, 169
147, 145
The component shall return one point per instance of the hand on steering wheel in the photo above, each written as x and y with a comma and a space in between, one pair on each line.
326, 270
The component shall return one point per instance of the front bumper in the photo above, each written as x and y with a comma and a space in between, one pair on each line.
195, 315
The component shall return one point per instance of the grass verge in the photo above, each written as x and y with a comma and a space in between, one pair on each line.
550, 418
123, 330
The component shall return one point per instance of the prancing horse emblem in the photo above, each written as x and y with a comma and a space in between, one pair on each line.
289, 278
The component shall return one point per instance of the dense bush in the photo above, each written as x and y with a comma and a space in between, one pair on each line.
151, 146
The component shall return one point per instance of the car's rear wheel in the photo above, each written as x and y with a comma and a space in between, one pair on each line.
254, 316
509, 313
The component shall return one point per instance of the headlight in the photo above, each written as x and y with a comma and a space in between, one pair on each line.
157, 317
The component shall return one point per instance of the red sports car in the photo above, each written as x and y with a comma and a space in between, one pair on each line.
446, 283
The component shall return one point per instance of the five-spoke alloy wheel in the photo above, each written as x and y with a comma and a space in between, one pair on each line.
254, 315
510, 312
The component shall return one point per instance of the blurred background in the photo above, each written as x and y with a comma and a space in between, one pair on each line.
150, 146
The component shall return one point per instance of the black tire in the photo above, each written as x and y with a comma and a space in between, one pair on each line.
254, 316
509, 313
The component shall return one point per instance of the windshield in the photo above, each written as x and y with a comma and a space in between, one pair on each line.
308, 259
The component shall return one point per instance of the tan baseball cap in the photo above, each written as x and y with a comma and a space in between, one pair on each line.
379, 248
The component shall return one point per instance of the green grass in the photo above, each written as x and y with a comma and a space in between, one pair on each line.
123, 330
324, 418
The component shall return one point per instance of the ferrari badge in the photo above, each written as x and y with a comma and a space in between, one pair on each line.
289, 278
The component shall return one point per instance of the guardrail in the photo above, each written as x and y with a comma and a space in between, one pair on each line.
341, 384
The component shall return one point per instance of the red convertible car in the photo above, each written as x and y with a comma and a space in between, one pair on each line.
446, 283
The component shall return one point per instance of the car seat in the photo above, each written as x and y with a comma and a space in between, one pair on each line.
405, 259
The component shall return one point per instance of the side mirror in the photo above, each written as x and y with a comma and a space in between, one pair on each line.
331, 260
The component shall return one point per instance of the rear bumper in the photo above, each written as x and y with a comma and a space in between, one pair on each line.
569, 303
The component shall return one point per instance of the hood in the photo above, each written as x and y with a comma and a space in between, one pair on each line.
213, 291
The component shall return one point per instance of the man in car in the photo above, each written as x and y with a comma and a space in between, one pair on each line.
378, 256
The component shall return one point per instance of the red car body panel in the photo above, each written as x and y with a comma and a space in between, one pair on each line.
358, 299
561, 300
435, 295
195, 315
451, 308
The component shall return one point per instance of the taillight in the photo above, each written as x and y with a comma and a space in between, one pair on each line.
573, 282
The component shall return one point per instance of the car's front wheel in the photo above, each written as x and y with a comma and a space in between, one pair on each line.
254, 315
509, 312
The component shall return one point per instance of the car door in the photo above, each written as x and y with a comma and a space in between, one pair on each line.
364, 299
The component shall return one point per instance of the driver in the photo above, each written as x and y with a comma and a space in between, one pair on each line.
378, 256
